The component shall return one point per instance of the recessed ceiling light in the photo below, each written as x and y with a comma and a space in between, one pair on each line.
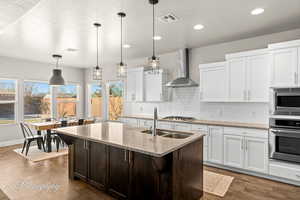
157, 37
71, 49
198, 27
126, 46
257, 11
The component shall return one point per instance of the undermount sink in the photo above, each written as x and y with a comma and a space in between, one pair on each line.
158, 132
169, 134
178, 135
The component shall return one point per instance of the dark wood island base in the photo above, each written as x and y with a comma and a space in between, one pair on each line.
133, 175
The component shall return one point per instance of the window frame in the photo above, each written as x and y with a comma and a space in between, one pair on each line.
77, 101
51, 96
89, 99
15, 102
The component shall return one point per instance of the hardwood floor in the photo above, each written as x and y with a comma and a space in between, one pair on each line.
23, 180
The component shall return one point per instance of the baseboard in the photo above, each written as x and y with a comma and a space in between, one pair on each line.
266, 176
11, 142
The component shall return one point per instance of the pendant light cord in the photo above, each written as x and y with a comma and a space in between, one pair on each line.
121, 40
97, 46
153, 33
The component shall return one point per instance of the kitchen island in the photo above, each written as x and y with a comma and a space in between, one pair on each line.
130, 163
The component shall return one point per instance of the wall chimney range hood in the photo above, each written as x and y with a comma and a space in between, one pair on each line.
183, 77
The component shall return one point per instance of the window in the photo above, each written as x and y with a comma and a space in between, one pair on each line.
95, 99
7, 101
37, 101
67, 100
115, 99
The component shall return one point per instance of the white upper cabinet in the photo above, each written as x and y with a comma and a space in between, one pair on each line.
155, 89
258, 78
237, 79
213, 82
135, 85
248, 76
285, 64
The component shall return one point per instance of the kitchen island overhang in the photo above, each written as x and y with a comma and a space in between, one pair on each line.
129, 164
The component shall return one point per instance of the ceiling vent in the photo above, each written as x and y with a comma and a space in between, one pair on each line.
168, 18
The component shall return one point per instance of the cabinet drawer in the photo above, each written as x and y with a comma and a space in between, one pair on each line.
285, 172
257, 133
201, 128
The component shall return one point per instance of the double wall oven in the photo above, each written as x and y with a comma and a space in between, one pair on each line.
284, 138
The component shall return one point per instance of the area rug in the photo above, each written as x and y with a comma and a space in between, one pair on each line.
3, 196
216, 184
36, 155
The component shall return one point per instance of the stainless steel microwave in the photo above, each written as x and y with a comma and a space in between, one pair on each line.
287, 101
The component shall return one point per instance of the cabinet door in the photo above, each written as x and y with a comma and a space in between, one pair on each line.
256, 154
139, 85
118, 175
237, 79
153, 87
284, 67
213, 84
97, 164
233, 151
258, 82
143, 173
215, 145
182, 127
80, 159
130, 86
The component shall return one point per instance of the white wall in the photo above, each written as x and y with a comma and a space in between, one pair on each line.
29, 70
185, 101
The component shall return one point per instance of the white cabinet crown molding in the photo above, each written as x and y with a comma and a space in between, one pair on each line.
283, 45
247, 53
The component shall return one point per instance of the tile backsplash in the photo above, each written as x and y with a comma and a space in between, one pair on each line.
185, 102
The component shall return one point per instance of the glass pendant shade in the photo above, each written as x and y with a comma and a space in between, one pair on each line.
97, 73
121, 70
57, 79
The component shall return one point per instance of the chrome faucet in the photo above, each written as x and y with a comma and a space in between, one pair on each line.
154, 122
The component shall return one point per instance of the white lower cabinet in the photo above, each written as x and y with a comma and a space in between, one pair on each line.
246, 149
215, 144
233, 151
256, 154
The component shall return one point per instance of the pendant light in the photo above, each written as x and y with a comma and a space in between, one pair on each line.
97, 72
56, 78
153, 61
121, 71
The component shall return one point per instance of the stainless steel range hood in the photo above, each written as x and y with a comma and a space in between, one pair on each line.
183, 77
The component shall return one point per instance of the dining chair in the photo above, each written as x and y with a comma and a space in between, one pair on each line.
30, 137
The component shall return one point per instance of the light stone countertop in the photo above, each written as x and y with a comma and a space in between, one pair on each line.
209, 122
129, 138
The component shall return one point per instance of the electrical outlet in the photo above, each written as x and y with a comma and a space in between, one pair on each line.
141, 109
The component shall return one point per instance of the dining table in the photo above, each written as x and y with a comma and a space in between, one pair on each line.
48, 126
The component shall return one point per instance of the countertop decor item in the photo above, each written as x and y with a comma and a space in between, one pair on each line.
97, 72
56, 78
121, 71
153, 61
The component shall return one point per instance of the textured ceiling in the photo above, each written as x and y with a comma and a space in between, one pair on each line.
55, 25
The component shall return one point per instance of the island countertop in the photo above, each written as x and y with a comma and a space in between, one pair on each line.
129, 138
